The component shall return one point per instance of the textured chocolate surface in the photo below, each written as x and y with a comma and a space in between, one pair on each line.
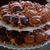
15, 19
6, 18
19, 41
24, 20
40, 37
35, 19
4, 38
35, 14
17, 8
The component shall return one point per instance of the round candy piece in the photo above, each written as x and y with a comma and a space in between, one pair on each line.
29, 39
13, 34
17, 8
30, 13
15, 19
19, 40
4, 38
39, 37
24, 20
6, 18
35, 19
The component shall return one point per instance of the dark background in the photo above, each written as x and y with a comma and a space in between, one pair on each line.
2, 2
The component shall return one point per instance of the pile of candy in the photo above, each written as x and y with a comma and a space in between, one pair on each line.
24, 14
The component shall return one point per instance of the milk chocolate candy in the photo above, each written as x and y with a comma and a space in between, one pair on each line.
36, 19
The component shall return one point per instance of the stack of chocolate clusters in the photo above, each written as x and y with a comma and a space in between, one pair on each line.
24, 14
38, 36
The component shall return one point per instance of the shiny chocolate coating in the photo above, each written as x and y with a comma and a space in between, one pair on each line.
30, 13
5, 12
24, 20
29, 39
39, 37
15, 19
35, 19
6, 18
17, 8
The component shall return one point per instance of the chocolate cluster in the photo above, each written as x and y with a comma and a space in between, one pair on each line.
38, 36
24, 14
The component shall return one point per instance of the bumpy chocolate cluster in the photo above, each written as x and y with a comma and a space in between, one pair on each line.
24, 14
38, 36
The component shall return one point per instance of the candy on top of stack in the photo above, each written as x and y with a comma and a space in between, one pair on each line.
24, 14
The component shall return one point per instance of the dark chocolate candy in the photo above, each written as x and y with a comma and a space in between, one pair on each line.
15, 19
24, 20
13, 34
17, 8
19, 41
5, 12
39, 37
4, 38
6, 18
